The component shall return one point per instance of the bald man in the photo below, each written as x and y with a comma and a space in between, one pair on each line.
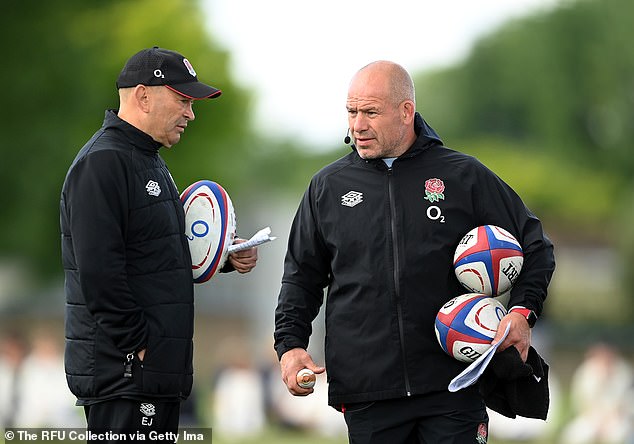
368, 233
129, 287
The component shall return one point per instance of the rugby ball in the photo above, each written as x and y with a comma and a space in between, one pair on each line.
210, 226
466, 325
488, 260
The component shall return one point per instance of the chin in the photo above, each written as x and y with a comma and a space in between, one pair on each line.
171, 143
367, 155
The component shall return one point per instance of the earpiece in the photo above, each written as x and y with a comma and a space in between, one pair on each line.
347, 139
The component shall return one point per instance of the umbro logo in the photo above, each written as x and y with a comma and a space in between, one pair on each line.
351, 198
153, 188
148, 409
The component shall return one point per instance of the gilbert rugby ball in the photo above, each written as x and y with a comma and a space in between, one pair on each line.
210, 226
466, 325
488, 260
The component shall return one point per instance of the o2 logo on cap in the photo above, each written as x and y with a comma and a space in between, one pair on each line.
189, 67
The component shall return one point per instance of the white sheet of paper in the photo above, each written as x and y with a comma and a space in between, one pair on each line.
258, 238
471, 374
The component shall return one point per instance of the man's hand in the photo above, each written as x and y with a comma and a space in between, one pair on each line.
519, 334
245, 260
293, 361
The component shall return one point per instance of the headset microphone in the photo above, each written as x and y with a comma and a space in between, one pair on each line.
347, 139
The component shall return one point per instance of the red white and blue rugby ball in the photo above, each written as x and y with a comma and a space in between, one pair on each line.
488, 260
210, 226
466, 325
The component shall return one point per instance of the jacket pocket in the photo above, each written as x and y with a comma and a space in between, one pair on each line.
166, 367
355, 407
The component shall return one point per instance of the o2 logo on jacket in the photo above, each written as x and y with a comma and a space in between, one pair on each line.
434, 213
434, 192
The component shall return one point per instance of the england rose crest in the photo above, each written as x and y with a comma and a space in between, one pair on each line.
434, 189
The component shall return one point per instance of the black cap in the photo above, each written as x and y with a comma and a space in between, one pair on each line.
157, 66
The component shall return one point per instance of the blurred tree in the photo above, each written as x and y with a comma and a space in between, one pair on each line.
560, 83
560, 80
61, 63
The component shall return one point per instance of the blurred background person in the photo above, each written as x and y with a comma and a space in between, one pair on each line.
600, 398
13, 351
33, 392
238, 396
45, 400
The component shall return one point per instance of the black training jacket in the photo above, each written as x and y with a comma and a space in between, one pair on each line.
384, 251
128, 271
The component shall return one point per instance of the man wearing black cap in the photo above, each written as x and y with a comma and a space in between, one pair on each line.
129, 287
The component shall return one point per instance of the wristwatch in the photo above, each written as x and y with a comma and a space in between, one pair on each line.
529, 314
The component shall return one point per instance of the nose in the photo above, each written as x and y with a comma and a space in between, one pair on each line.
189, 111
358, 123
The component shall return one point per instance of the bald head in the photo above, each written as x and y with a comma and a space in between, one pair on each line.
381, 110
397, 82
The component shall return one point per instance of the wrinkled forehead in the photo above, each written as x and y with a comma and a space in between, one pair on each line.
364, 102
368, 86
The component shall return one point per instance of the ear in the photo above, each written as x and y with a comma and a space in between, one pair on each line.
142, 97
408, 110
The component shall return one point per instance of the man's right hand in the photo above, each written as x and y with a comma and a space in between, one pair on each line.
292, 362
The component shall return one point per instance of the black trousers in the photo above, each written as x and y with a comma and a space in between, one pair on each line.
157, 421
428, 419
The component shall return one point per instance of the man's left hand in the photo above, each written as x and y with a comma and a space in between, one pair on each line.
519, 334
244, 261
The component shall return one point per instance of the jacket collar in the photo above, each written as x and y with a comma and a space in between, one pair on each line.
426, 137
137, 137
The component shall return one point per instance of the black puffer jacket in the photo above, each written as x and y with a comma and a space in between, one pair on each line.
128, 271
